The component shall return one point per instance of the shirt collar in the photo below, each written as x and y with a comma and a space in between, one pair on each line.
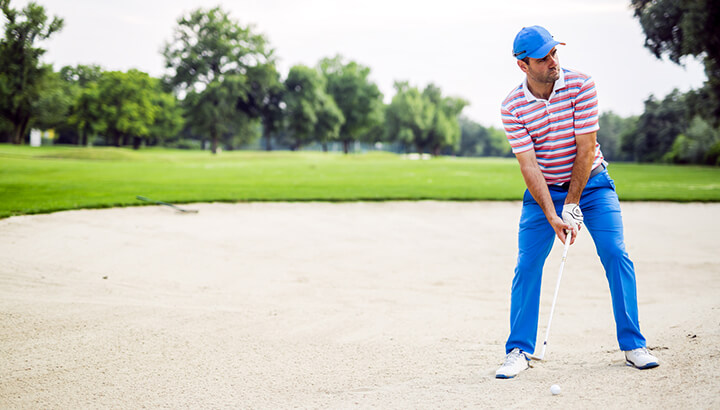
559, 83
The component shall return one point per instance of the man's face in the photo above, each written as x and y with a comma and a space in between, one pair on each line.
544, 70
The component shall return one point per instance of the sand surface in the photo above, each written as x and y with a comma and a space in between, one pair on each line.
319, 305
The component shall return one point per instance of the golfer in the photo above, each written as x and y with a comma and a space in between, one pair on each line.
551, 122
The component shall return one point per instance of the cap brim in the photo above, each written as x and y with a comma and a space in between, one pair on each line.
544, 50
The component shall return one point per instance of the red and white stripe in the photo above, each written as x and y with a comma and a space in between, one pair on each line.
550, 126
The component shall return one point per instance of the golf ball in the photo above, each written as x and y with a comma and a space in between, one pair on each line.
555, 389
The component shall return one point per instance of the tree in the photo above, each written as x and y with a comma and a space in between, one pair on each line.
426, 120
686, 28
329, 120
358, 98
444, 131
497, 144
21, 73
695, 145
610, 136
75, 81
476, 140
168, 119
209, 60
81, 75
127, 106
52, 107
244, 130
472, 138
265, 99
657, 128
87, 115
409, 117
627, 139
303, 95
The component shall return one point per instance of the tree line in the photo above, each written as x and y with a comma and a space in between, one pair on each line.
222, 89
669, 130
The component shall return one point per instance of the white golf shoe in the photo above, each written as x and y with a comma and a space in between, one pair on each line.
515, 362
640, 358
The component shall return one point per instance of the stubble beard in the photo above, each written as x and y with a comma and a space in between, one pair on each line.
548, 77
553, 75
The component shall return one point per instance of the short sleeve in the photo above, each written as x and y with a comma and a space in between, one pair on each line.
517, 134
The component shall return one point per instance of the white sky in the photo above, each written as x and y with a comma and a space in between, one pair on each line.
463, 46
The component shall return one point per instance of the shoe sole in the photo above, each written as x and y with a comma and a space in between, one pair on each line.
647, 366
502, 376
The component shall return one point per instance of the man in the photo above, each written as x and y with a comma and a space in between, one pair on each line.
551, 121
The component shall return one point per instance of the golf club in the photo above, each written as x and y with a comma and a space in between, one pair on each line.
190, 211
552, 308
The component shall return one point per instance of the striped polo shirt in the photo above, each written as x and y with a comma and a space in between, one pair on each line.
550, 126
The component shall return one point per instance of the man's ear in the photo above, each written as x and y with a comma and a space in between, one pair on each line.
523, 66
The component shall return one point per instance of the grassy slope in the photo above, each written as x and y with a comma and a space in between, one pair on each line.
48, 179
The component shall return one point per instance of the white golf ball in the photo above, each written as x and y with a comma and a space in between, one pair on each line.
555, 389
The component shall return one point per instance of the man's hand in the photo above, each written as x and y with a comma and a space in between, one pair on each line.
572, 215
562, 229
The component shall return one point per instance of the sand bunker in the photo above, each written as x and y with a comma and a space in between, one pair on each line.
390, 305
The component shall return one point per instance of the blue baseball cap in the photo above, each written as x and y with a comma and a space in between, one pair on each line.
533, 42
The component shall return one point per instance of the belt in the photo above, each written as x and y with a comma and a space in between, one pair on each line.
600, 168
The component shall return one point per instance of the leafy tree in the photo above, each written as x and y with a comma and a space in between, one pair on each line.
409, 117
694, 146
627, 137
476, 140
358, 98
657, 128
53, 105
609, 134
21, 73
686, 28
265, 99
472, 138
612, 129
74, 81
127, 106
304, 94
329, 120
81, 75
209, 60
168, 119
377, 133
87, 114
444, 131
426, 120
244, 130
497, 144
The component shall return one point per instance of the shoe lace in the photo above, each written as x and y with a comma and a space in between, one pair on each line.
513, 356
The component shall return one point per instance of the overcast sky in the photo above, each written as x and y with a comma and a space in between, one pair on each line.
463, 46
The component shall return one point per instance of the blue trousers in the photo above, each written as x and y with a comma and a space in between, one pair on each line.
601, 209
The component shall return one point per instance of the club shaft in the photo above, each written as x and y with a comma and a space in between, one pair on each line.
557, 288
142, 198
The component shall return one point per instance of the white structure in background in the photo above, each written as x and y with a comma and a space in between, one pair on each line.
35, 138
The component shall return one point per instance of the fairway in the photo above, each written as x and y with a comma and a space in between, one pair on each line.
47, 179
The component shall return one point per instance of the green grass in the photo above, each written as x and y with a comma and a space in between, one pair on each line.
46, 179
